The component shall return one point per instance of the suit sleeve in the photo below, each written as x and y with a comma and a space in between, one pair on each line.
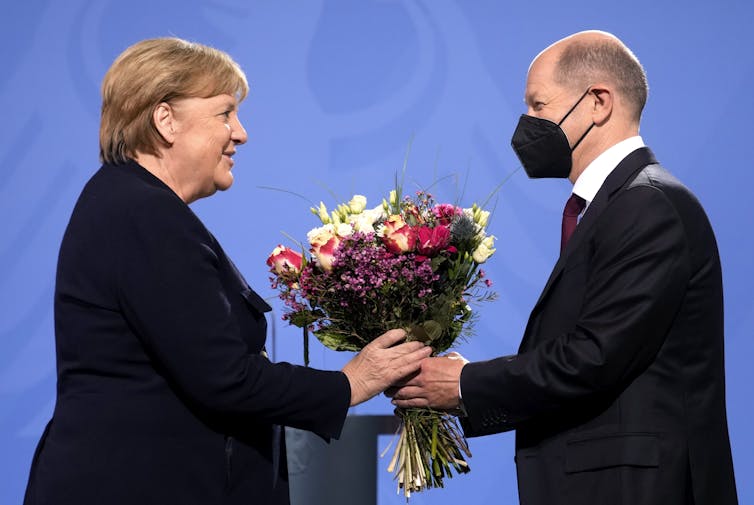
171, 293
638, 274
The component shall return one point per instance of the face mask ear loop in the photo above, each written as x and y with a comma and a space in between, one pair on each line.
575, 105
582, 138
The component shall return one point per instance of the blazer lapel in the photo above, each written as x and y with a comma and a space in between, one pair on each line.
623, 173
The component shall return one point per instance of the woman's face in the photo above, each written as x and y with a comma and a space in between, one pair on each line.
206, 133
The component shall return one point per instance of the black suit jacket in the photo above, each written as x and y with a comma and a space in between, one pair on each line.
163, 396
618, 390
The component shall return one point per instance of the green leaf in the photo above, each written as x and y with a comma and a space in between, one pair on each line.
336, 341
437, 261
433, 329
426, 332
303, 318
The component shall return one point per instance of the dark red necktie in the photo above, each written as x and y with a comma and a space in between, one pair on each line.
573, 208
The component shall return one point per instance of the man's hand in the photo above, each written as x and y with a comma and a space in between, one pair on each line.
382, 363
436, 385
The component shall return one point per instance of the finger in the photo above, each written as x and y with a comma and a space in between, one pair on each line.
405, 353
409, 347
414, 402
409, 393
424, 351
410, 379
410, 363
390, 338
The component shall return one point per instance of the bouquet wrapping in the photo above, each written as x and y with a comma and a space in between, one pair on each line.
408, 263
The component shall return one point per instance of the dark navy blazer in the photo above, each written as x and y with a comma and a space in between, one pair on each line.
617, 394
163, 396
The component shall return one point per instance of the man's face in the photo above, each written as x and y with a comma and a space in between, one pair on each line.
546, 99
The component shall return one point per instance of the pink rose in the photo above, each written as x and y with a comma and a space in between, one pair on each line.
398, 237
284, 260
432, 240
324, 241
444, 213
324, 250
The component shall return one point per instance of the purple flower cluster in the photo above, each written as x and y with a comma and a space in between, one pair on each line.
292, 298
363, 269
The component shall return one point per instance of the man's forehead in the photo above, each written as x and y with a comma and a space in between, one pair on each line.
542, 68
537, 80
535, 93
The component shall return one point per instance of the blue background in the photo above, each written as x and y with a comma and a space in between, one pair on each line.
339, 88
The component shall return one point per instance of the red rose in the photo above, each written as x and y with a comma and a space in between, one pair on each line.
444, 213
432, 240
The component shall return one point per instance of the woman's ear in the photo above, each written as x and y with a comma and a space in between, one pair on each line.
602, 98
164, 120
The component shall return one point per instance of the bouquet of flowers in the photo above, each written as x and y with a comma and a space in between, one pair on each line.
407, 263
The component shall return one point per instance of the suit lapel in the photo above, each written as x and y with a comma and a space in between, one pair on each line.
623, 173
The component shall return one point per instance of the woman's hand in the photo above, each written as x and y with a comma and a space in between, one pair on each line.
382, 363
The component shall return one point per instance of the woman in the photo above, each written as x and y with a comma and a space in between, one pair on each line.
165, 395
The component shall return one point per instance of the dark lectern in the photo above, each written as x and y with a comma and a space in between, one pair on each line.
343, 472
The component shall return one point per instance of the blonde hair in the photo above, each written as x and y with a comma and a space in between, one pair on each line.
151, 72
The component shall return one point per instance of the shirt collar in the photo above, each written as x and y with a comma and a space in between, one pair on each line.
594, 175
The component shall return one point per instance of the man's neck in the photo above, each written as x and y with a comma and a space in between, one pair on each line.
605, 141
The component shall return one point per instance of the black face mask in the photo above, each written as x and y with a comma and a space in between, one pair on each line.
542, 146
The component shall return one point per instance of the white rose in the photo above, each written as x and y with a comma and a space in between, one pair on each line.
343, 229
482, 218
484, 250
377, 213
364, 222
357, 204
321, 234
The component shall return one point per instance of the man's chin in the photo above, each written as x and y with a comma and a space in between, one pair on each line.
224, 183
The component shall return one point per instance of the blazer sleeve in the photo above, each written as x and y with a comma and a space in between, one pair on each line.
638, 274
171, 293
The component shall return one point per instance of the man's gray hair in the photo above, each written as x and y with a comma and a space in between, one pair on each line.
582, 64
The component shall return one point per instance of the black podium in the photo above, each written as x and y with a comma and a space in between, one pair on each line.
342, 472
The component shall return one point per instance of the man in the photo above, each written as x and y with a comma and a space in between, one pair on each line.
617, 393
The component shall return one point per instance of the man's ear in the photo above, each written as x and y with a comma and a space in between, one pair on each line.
164, 120
602, 99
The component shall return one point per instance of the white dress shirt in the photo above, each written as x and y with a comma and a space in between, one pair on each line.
591, 179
